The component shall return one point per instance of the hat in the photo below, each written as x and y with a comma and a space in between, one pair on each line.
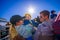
15, 18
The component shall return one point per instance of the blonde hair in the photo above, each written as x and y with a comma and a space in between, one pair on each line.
27, 14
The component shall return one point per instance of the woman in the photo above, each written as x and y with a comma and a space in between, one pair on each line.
15, 28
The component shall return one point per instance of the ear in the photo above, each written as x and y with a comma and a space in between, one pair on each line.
16, 23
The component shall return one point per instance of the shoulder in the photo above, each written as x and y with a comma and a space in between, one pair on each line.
39, 24
42, 24
22, 27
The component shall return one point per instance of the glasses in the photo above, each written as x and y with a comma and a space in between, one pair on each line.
40, 17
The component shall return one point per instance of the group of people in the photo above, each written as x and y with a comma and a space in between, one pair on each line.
46, 28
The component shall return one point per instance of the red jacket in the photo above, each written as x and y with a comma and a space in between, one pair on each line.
56, 27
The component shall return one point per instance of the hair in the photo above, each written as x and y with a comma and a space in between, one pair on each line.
14, 19
27, 14
45, 13
53, 11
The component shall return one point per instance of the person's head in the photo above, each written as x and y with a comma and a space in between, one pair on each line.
44, 15
53, 12
27, 16
16, 20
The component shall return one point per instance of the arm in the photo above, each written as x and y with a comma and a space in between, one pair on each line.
36, 36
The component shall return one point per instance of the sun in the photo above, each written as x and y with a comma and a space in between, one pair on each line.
31, 10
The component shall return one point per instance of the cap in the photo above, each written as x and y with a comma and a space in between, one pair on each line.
15, 18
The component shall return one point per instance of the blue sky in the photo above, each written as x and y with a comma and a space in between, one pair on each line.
20, 7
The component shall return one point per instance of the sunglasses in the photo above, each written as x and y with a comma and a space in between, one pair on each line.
40, 17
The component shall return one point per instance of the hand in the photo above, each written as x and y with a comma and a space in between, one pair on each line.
35, 28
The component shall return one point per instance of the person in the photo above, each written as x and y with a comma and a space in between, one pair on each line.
29, 24
56, 27
53, 15
29, 21
44, 31
8, 24
38, 19
25, 31
35, 22
15, 30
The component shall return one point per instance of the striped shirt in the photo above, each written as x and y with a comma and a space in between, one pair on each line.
44, 28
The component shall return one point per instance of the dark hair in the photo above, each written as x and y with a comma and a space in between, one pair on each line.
53, 11
45, 13
14, 19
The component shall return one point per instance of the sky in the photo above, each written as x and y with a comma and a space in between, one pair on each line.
9, 8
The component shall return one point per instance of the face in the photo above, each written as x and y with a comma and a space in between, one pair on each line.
28, 17
20, 22
42, 17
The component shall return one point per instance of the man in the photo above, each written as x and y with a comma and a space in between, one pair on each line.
53, 15
44, 31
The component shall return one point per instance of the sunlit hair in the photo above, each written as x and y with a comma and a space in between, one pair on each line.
58, 17
27, 14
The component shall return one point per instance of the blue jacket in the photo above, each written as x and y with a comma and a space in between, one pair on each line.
34, 23
53, 16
